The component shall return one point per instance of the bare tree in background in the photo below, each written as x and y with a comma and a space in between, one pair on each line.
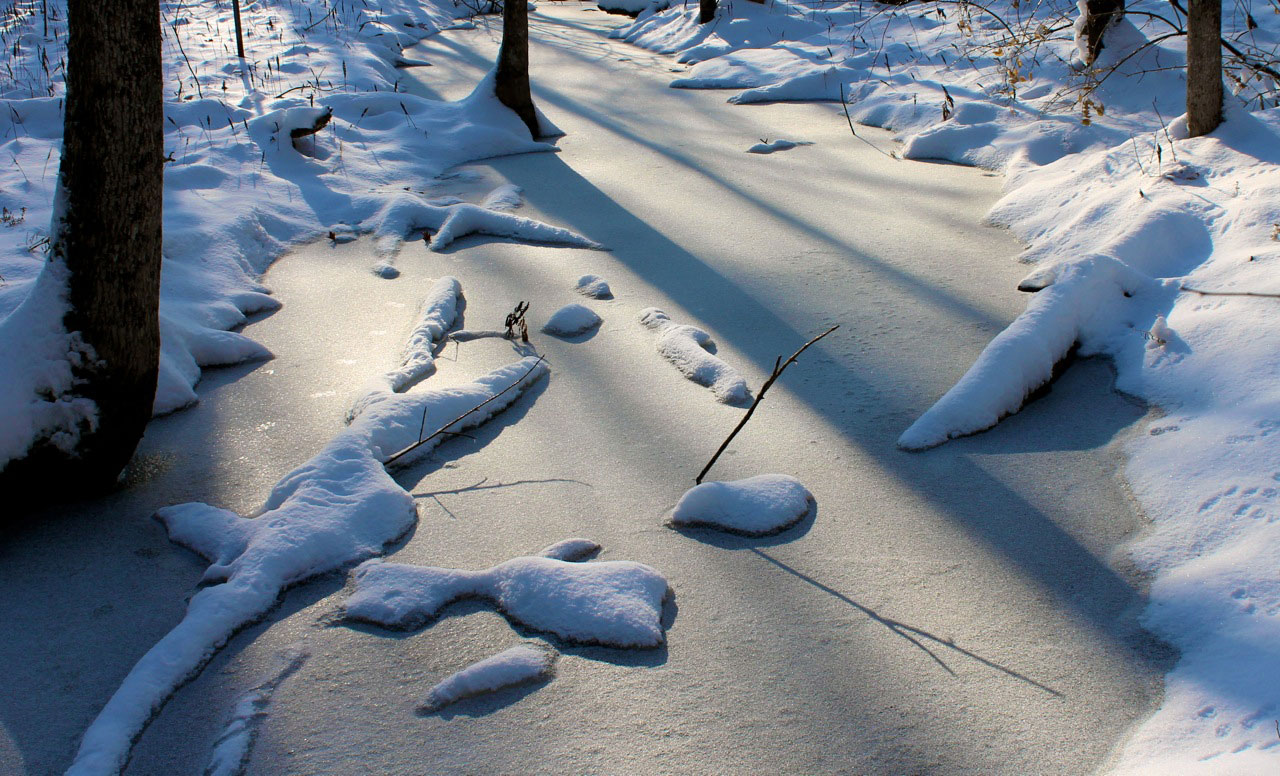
106, 233
511, 81
1204, 66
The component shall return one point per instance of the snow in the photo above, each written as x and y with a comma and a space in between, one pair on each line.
765, 147
1123, 217
611, 603
690, 350
594, 286
756, 506
231, 750
571, 550
571, 320
239, 190
522, 664
336, 509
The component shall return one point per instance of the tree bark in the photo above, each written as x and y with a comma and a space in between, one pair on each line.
1098, 15
511, 81
706, 11
1204, 66
235, 12
107, 222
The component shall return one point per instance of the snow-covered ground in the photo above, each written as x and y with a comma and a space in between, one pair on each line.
861, 631
1148, 248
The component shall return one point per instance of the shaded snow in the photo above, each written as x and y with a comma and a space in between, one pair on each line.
594, 286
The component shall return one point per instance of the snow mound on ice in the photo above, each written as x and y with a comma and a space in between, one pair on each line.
571, 550
594, 286
614, 603
689, 348
777, 145
504, 197
231, 750
439, 312
571, 320
334, 510
518, 665
757, 506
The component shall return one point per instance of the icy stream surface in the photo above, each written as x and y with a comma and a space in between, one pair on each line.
954, 611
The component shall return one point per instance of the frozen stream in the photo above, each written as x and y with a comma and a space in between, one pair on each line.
956, 611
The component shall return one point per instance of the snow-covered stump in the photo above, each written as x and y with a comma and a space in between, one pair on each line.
1082, 303
763, 505
523, 664
613, 603
688, 348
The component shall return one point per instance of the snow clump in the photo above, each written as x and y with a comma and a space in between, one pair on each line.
690, 349
757, 506
518, 665
571, 550
778, 145
594, 286
614, 603
571, 320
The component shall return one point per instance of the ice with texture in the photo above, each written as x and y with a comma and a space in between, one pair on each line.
571, 320
336, 509
231, 750
594, 286
439, 313
518, 665
612, 603
689, 349
757, 506
777, 145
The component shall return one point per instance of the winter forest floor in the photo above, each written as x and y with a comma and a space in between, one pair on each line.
953, 611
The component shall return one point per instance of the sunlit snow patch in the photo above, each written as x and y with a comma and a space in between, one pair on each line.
571, 320
594, 286
689, 348
614, 603
518, 665
757, 506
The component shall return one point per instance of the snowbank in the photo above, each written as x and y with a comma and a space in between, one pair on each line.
690, 349
757, 506
614, 603
519, 665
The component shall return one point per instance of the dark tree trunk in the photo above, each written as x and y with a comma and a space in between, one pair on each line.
107, 231
511, 82
235, 11
1099, 14
706, 11
1204, 66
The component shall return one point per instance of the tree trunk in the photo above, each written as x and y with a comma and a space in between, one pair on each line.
706, 11
106, 225
511, 82
235, 11
1204, 66
1098, 15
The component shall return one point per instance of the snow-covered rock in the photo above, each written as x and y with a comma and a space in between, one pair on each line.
689, 348
518, 665
571, 320
571, 550
757, 506
594, 286
614, 603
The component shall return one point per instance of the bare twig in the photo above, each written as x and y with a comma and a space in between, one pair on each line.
442, 430
778, 366
1228, 293
845, 106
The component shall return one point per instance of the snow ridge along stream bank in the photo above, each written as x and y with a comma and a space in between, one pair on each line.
1154, 250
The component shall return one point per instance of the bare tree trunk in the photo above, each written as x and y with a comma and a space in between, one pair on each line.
1204, 66
511, 82
1098, 15
235, 11
706, 11
106, 226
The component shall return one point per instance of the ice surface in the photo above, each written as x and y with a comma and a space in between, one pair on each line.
757, 506
528, 662
613, 603
231, 750
688, 349
571, 320
594, 286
